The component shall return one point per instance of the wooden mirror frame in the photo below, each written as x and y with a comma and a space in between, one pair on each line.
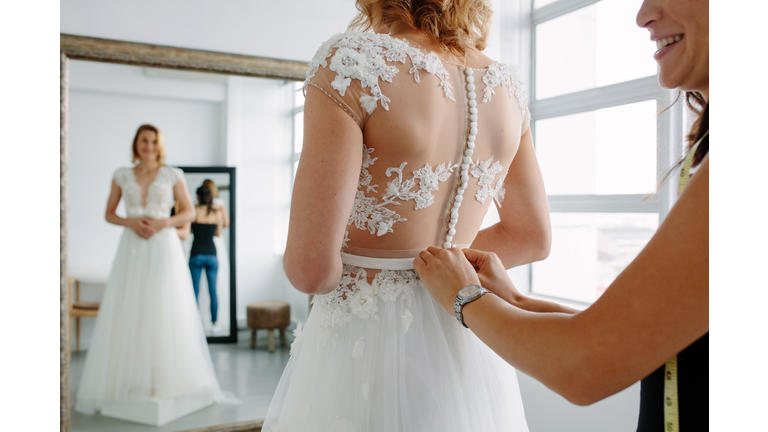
146, 55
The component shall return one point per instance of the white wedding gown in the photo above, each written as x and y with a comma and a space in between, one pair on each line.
148, 341
378, 354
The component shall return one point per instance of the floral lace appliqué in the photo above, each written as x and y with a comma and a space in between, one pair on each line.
364, 57
160, 197
355, 296
485, 172
370, 214
504, 74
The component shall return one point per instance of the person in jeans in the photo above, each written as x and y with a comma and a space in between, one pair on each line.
207, 224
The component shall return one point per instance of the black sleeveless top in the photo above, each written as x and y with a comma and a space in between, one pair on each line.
203, 242
692, 391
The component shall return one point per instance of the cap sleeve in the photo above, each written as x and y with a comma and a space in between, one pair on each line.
120, 176
344, 91
526, 118
522, 100
177, 175
347, 68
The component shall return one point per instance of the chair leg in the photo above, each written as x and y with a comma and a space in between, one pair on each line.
271, 340
253, 338
282, 337
77, 333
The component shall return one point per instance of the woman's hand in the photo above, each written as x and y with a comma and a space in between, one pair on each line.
158, 224
444, 272
142, 227
493, 276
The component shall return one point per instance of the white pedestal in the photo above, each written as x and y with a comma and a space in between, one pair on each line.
156, 412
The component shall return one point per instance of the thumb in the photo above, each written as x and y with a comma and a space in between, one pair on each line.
474, 256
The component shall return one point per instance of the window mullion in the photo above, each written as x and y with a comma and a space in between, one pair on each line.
558, 8
627, 92
634, 203
670, 132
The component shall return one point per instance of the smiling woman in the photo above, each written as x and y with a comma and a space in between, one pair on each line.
148, 346
652, 322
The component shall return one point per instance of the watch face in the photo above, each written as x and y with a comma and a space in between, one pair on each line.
469, 291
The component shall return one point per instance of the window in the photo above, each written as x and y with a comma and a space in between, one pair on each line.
599, 140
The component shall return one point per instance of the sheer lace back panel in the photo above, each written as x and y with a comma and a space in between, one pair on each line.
414, 111
159, 199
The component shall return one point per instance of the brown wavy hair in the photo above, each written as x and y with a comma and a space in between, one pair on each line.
160, 143
699, 107
456, 25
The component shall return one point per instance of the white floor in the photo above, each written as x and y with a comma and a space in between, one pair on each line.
251, 374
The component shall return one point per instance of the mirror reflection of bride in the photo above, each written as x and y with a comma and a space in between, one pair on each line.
148, 342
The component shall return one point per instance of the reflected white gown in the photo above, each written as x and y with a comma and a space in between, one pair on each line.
148, 343
378, 354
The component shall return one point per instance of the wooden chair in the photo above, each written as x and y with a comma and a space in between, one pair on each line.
78, 309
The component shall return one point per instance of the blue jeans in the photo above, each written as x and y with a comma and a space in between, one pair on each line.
211, 265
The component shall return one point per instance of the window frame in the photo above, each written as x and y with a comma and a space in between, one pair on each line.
669, 126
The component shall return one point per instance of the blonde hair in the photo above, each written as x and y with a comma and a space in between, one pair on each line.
212, 187
160, 143
457, 25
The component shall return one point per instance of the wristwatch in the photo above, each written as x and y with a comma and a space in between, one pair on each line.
468, 294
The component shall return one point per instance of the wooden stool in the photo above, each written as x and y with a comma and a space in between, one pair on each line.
78, 309
269, 315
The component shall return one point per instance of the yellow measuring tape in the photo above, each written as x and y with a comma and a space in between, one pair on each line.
671, 407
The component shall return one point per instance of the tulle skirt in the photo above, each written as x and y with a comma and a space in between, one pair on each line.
384, 356
148, 342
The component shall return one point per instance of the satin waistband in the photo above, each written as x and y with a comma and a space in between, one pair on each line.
377, 263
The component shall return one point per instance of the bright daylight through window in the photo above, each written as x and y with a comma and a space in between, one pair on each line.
599, 140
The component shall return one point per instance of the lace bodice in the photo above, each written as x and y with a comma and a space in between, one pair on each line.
430, 131
160, 198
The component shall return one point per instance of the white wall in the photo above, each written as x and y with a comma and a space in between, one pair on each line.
546, 411
259, 144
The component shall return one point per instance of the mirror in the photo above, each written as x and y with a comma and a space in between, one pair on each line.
219, 301
212, 123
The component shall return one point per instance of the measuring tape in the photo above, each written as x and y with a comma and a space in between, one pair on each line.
671, 406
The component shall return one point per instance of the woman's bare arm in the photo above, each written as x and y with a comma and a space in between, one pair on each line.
114, 199
493, 276
654, 309
523, 235
184, 230
225, 215
219, 222
323, 194
142, 227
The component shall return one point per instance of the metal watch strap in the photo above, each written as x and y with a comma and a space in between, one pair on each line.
458, 304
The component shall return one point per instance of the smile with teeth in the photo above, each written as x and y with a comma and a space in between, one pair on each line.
661, 43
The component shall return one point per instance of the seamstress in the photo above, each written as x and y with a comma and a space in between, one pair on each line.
653, 320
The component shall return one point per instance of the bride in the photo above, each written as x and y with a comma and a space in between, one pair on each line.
410, 134
148, 342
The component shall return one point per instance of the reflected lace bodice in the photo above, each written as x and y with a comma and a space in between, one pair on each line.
363, 72
160, 198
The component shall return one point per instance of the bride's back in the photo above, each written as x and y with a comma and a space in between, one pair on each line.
414, 110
